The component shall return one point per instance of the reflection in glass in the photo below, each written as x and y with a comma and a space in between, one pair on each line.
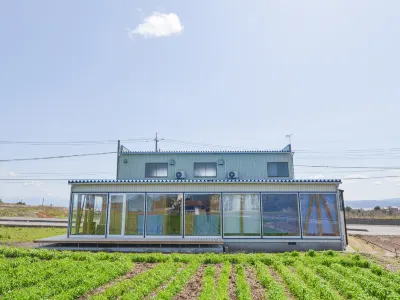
278, 169
319, 214
241, 214
164, 214
134, 217
280, 215
202, 214
116, 206
88, 216
205, 169
156, 170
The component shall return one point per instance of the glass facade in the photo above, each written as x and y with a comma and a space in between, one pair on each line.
232, 215
241, 214
164, 214
280, 215
116, 214
88, 214
319, 214
202, 215
134, 214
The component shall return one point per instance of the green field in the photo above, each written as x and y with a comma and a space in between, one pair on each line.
45, 274
12, 235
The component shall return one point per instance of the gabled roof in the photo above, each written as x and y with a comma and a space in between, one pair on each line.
81, 181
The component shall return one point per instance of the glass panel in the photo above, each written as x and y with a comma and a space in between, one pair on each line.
241, 214
278, 169
283, 170
205, 169
199, 170
162, 170
319, 214
151, 170
88, 214
164, 214
116, 205
211, 170
280, 215
202, 214
272, 169
134, 217
156, 170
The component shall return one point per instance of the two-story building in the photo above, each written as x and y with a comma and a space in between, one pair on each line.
242, 200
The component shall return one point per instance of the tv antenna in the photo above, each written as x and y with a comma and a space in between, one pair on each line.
156, 140
289, 137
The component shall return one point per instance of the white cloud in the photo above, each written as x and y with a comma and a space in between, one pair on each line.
158, 25
377, 182
12, 174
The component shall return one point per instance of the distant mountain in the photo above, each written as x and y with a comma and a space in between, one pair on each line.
372, 203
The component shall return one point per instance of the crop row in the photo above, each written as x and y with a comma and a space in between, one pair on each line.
141, 285
74, 280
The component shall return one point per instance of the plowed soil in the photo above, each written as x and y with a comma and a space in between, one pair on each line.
137, 269
278, 279
232, 283
193, 288
256, 288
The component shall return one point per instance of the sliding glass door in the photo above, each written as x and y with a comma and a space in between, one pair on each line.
126, 215
116, 214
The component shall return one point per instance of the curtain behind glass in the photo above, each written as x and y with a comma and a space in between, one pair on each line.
202, 215
241, 214
88, 214
164, 214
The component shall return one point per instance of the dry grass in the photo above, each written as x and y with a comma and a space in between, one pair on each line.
9, 210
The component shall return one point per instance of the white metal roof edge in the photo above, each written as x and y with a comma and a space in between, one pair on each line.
209, 152
170, 181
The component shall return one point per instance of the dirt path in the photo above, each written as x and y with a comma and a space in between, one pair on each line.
137, 269
232, 283
279, 280
256, 288
193, 287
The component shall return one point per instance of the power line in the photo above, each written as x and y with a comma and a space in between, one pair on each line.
374, 177
57, 157
71, 143
33, 179
347, 167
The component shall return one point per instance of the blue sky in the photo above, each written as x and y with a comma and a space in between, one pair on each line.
235, 73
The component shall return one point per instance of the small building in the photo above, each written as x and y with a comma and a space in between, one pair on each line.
234, 200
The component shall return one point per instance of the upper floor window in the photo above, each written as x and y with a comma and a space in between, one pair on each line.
205, 169
156, 170
278, 169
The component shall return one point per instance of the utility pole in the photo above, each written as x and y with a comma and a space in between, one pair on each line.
157, 140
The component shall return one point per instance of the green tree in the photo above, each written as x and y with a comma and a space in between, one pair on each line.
348, 208
377, 208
